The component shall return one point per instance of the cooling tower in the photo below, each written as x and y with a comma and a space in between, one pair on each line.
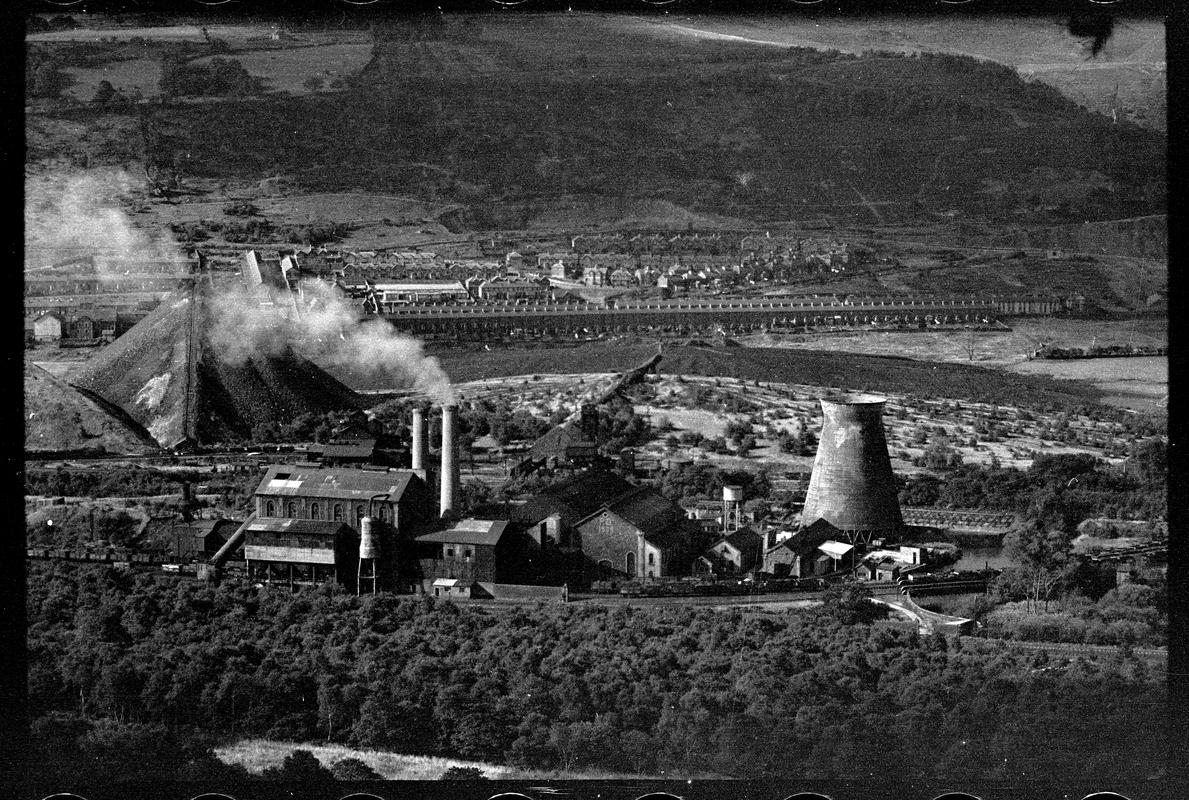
852, 487
419, 439
449, 476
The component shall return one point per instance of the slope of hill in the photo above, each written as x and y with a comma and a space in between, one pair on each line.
507, 116
1126, 75
60, 418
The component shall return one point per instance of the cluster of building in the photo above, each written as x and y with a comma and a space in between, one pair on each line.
377, 528
667, 262
92, 299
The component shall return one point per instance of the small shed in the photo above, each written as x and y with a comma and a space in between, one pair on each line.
835, 550
452, 587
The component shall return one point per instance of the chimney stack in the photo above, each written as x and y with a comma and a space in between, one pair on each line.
589, 421
419, 439
449, 476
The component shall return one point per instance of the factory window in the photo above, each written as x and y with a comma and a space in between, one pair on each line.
358, 514
651, 559
269, 509
630, 563
466, 554
313, 511
383, 513
449, 552
291, 510
338, 512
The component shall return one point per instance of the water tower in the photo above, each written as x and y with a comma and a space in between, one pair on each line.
369, 557
852, 486
732, 508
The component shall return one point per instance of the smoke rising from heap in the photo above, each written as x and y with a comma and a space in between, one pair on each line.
74, 213
328, 329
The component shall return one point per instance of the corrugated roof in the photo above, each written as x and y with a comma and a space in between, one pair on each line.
318, 527
835, 549
580, 496
421, 286
646, 509
746, 540
469, 531
364, 448
346, 484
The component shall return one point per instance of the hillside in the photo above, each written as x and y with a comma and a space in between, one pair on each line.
516, 117
60, 418
1126, 75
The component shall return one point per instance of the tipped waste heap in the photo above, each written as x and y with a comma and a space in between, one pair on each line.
60, 418
166, 374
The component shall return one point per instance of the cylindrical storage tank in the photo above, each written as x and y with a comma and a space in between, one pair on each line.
369, 540
732, 494
449, 476
419, 439
852, 486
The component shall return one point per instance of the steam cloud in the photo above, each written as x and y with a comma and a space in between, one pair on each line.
327, 329
76, 213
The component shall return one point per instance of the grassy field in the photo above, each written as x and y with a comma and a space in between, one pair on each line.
990, 348
256, 755
1140, 383
286, 70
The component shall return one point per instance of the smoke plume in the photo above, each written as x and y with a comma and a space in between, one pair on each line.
327, 329
72, 214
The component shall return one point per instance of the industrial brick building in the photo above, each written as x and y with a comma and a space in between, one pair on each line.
618, 529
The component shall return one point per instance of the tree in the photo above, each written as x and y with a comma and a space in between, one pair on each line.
354, 769
463, 774
104, 93
852, 605
1043, 553
300, 766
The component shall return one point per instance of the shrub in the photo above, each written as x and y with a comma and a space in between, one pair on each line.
354, 769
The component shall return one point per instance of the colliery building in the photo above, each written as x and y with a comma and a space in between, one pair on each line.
473, 557
310, 526
300, 551
618, 529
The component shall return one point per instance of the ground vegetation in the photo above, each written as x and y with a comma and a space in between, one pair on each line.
135, 659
